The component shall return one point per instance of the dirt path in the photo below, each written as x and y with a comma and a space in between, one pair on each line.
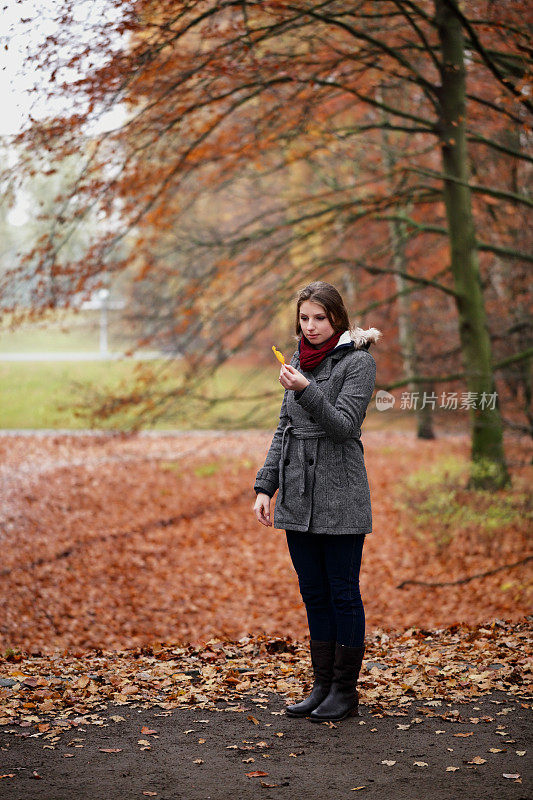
205, 754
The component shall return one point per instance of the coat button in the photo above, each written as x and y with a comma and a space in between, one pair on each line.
311, 461
287, 462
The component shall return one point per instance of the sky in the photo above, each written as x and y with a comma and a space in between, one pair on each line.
18, 38
25, 24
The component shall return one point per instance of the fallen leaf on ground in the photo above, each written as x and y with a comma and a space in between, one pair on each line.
110, 749
257, 774
65, 543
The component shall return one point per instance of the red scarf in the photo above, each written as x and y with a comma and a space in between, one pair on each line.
310, 357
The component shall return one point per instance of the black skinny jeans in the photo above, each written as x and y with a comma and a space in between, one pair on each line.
328, 567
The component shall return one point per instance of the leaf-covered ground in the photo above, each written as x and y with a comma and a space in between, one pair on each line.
118, 542
140, 598
453, 664
446, 712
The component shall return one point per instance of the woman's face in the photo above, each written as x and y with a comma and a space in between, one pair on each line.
314, 322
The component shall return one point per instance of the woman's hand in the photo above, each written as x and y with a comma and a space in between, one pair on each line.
262, 509
290, 378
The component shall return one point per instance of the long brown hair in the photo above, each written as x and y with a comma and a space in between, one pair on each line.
326, 295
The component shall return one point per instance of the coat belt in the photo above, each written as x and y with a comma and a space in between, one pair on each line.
299, 433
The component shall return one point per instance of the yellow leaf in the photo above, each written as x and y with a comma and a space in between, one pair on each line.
278, 355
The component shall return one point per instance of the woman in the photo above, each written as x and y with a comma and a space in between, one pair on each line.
316, 460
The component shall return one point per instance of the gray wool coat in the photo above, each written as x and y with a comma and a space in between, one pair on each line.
316, 458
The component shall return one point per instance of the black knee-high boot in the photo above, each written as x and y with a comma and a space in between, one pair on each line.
343, 697
322, 657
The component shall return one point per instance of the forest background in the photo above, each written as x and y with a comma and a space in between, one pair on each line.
208, 161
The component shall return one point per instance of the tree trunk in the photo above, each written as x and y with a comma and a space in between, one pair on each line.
406, 331
488, 469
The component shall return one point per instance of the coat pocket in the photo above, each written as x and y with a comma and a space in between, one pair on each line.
337, 464
356, 470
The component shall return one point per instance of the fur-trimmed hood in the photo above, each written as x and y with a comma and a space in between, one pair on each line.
361, 338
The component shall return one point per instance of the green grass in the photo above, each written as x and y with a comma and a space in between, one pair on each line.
60, 394
58, 333
209, 468
40, 394
443, 508
205, 470
448, 471
46, 394
55, 341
